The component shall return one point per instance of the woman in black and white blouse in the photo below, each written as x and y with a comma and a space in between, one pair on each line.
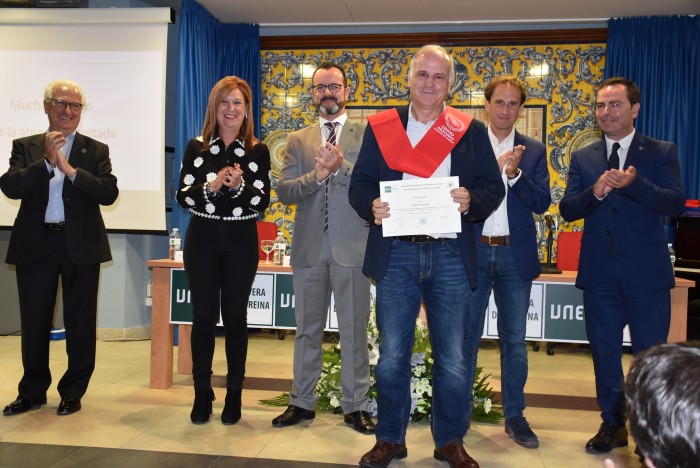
225, 184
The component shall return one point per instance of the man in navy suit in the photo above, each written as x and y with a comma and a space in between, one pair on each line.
424, 140
62, 178
622, 186
506, 249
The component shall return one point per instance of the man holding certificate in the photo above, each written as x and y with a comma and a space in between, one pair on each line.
424, 153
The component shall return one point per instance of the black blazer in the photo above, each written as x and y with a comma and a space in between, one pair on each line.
27, 179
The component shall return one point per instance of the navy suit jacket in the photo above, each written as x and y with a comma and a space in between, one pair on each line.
27, 179
633, 215
530, 194
472, 161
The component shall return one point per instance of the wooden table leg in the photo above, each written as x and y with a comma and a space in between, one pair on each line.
184, 349
678, 331
161, 330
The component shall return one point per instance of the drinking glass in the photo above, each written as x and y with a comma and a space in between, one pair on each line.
267, 245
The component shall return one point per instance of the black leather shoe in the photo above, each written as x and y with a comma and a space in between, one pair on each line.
292, 415
455, 455
22, 405
382, 453
361, 421
607, 438
68, 406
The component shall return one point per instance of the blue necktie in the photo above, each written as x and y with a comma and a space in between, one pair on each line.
614, 159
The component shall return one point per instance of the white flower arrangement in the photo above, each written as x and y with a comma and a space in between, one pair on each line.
329, 390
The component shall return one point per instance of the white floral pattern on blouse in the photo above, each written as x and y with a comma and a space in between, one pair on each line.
189, 201
210, 208
214, 149
211, 176
255, 200
253, 166
258, 184
237, 211
240, 152
198, 162
189, 179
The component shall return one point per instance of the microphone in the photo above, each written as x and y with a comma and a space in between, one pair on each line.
548, 220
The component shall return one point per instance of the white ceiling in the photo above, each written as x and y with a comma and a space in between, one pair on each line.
327, 13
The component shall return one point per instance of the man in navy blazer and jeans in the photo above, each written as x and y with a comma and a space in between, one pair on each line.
622, 186
438, 269
506, 249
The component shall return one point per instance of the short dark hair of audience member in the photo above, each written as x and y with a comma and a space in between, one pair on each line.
663, 403
505, 79
218, 93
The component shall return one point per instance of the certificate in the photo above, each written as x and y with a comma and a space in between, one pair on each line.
420, 206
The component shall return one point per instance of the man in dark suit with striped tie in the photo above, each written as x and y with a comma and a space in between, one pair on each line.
622, 186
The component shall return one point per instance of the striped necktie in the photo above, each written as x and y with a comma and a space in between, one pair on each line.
326, 183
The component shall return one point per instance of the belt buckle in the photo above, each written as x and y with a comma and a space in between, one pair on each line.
492, 244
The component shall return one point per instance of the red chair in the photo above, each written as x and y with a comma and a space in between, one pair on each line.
568, 249
266, 230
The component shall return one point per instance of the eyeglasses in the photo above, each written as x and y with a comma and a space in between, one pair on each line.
61, 104
333, 88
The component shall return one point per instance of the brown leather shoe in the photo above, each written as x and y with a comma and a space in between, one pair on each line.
381, 454
454, 454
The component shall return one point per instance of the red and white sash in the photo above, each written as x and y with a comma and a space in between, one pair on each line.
430, 152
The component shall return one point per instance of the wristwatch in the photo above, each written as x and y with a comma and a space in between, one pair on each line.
517, 173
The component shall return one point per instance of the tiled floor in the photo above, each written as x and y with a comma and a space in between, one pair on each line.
125, 423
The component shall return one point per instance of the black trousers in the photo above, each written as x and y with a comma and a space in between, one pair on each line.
38, 285
221, 260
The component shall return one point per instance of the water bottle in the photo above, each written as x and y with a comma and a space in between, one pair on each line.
280, 249
175, 243
672, 253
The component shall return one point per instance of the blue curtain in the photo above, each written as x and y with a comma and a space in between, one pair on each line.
662, 55
209, 50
